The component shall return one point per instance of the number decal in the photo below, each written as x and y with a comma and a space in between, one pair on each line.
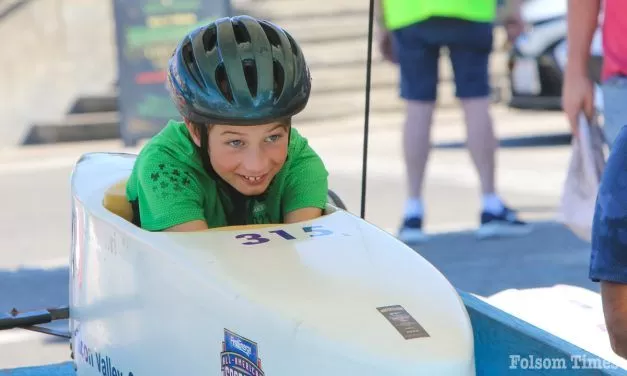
317, 231
283, 234
252, 239
312, 231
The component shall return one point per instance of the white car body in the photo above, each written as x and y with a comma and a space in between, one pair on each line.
301, 299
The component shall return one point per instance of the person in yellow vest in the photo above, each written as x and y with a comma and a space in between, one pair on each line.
411, 34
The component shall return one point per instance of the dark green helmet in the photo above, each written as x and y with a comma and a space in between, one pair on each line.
239, 71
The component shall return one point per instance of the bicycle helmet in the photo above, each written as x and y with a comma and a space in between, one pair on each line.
238, 71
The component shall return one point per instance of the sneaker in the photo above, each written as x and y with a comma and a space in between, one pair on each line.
411, 231
503, 224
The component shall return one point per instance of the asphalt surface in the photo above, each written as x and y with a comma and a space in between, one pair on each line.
35, 222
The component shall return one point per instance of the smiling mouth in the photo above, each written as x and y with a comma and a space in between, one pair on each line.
253, 179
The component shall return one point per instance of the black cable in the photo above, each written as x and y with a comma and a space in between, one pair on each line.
364, 165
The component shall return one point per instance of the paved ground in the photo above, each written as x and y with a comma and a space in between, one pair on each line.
35, 222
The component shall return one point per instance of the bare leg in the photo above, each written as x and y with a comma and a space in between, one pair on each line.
481, 141
416, 148
417, 144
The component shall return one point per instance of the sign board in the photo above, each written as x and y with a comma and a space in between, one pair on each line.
147, 32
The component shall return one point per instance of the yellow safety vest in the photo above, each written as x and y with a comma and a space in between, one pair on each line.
401, 13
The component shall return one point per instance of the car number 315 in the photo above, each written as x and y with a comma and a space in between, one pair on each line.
255, 238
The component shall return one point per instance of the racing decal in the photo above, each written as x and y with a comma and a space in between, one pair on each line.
403, 322
239, 356
260, 238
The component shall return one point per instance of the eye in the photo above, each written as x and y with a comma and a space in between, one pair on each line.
274, 138
235, 143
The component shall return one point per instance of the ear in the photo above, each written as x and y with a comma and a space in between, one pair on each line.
193, 131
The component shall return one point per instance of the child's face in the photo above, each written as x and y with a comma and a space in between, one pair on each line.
248, 157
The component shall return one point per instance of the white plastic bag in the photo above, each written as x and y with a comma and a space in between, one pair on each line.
587, 161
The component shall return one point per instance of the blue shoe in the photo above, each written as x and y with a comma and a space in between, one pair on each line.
411, 231
503, 224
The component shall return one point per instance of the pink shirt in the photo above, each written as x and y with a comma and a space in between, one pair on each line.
614, 40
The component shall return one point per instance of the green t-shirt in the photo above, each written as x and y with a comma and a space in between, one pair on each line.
171, 186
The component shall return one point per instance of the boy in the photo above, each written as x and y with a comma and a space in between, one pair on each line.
234, 159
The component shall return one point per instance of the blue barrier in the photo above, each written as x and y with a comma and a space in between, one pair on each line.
504, 345
61, 369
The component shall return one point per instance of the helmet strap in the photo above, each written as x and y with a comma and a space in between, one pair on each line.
204, 149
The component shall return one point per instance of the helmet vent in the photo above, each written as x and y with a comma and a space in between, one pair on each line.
250, 74
190, 62
279, 79
273, 36
241, 33
293, 45
223, 82
210, 38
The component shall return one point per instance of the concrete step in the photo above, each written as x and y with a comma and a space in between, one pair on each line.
105, 102
283, 11
75, 128
354, 27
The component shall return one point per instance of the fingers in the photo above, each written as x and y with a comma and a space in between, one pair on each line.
572, 108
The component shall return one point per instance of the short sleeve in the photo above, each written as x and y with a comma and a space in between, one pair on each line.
306, 181
167, 191
608, 261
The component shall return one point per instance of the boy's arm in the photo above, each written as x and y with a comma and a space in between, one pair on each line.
306, 188
304, 214
196, 225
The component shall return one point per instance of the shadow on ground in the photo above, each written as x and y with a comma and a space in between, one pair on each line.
550, 255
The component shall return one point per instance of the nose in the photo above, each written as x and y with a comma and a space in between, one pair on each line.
255, 161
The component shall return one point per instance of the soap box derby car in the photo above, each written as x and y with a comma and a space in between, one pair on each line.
331, 296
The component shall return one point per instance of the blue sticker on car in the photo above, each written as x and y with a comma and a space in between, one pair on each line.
239, 356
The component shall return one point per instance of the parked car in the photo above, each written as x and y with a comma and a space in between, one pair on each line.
538, 56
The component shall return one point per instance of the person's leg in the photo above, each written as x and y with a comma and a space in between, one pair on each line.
614, 92
470, 53
481, 141
416, 146
418, 60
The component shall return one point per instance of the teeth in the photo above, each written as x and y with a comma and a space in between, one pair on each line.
252, 178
